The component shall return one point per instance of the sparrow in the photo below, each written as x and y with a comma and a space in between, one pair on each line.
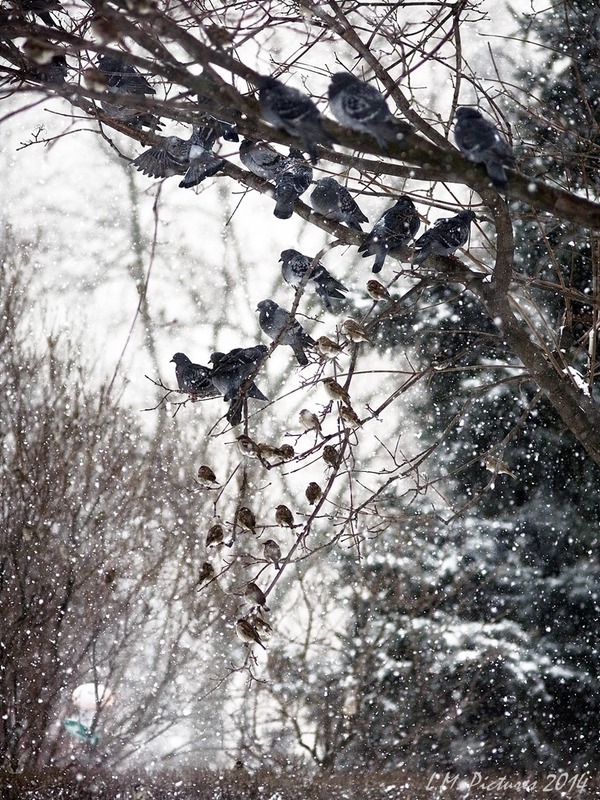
246, 519
377, 290
328, 348
275, 321
272, 552
334, 201
206, 477
284, 517
255, 595
206, 572
393, 229
294, 268
309, 420
125, 79
446, 236
215, 535
247, 446
248, 633
193, 379
336, 391
349, 416
230, 374
41, 53
354, 331
193, 158
497, 466
359, 106
290, 182
286, 451
331, 456
481, 141
292, 111
313, 493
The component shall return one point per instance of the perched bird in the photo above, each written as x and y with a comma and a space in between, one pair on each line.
193, 379
206, 477
95, 79
41, 8
286, 451
247, 446
445, 237
206, 572
397, 225
377, 290
328, 348
481, 142
231, 372
277, 322
294, 268
125, 79
349, 416
284, 517
359, 106
246, 519
215, 535
261, 159
272, 552
255, 595
53, 71
193, 158
497, 466
331, 456
41, 53
248, 633
292, 111
226, 130
354, 331
261, 625
336, 391
334, 201
313, 493
292, 181
309, 420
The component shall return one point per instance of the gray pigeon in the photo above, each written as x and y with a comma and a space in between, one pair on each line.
481, 142
294, 268
229, 373
359, 106
397, 225
193, 379
292, 181
125, 79
292, 111
261, 159
274, 320
334, 201
193, 158
446, 236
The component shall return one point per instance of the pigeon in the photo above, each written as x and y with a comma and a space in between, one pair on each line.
125, 79
261, 159
272, 552
53, 71
445, 237
292, 181
193, 158
248, 633
193, 379
359, 106
229, 374
397, 225
226, 130
292, 111
41, 8
481, 142
275, 320
294, 268
334, 201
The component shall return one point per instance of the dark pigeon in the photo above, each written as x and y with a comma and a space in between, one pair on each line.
397, 225
292, 111
193, 158
230, 372
193, 379
334, 201
446, 236
293, 180
55, 71
125, 79
261, 159
41, 8
273, 320
481, 142
294, 268
360, 107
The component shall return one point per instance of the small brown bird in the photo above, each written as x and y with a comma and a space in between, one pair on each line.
248, 633
313, 493
247, 446
336, 391
309, 420
272, 552
38, 51
215, 535
331, 456
284, 517
207, 478
246, 519
286, 451
349, 416
95, 79
377, 290
497, 466
328, 348
206, 572
261, 625
255, 595
354, 331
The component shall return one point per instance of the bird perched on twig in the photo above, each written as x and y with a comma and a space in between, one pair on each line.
272, 552
481, 142
230, 373
206, 477
193, 379
309, 420
193, 158
313, 492
248, 633
393, 229
349, 416
328, 348
354, 331
261, 159
255, 595
277, 322
206, 573
292, 181
331, 456
125, 79
334, 201
377, 290
294, 268
292, 111
446, 236
284, 517
336, 391
215, 535
247, 446
359, 106
246, 519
